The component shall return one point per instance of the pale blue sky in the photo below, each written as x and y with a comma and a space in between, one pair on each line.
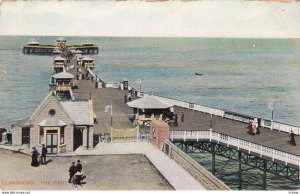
219, 18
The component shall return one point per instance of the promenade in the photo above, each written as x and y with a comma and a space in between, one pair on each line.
194, 120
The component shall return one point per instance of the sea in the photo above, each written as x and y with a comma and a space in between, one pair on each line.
239, 75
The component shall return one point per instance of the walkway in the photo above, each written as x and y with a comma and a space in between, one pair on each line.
165, 165
195, 120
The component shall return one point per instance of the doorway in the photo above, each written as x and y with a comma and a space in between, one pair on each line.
77, 137
51, 141
25, 135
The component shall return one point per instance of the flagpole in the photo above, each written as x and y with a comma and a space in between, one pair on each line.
110, 115
111, 134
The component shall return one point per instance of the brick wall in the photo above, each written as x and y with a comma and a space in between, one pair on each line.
159, 132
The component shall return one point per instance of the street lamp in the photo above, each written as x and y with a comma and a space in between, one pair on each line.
271, 106
211, 121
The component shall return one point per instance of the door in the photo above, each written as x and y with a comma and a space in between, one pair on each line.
77, 137
25, 135
51, 142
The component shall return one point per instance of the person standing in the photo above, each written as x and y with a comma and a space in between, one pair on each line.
292, 140
72, 171
125, 98
79, 166
44, 154
175, 120
34, 158
182, 117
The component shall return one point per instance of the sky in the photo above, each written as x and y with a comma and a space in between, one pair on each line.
206, 18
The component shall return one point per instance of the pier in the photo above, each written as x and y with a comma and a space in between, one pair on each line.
218, 132
34, 47
88, 113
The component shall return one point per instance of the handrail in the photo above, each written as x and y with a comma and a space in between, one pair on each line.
209, 181
266, 123
238, 143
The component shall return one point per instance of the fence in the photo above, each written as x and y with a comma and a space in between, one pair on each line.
124, 135
209, 181
238, 143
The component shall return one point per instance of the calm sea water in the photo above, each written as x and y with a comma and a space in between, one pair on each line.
241, 75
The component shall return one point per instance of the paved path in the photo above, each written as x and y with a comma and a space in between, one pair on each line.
166, 166
106, 172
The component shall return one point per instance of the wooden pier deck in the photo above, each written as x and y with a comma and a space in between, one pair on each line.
101, 98
194, 120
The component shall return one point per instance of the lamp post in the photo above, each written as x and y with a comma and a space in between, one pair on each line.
271, 106
109, 107
211, 121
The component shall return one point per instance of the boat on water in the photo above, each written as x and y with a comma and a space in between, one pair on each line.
199, 74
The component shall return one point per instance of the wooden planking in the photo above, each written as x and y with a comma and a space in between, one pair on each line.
194, 120
270, 138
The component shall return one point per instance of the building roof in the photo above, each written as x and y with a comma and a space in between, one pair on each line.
78, 111
86, 58
59, 58
149, 102
63, 75
52, 122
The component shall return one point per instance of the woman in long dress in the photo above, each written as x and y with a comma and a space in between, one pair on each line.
34, 158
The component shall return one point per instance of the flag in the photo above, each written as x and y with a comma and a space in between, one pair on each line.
107, 108
271, 106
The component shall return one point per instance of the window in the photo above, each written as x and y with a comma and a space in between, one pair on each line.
62, 135
52, 112
41, 135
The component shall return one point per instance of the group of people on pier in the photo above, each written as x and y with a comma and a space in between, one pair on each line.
35, 157
254, 128
75, 173
127, 97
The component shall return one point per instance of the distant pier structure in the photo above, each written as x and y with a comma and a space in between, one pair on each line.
34, 47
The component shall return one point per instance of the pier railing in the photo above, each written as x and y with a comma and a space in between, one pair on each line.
266, 123
203, 176
260, 150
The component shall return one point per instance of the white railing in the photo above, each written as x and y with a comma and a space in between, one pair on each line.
238, 143
280, 126
72, 94
225, 114
94, 75
112, 85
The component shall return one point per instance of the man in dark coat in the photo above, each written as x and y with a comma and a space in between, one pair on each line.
72, 171
43, 156
79, 166
34, 158
182, 117
175, 120
292, 140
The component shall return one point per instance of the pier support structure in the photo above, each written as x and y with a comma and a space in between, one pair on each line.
242, 157
213, 159
240, 171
